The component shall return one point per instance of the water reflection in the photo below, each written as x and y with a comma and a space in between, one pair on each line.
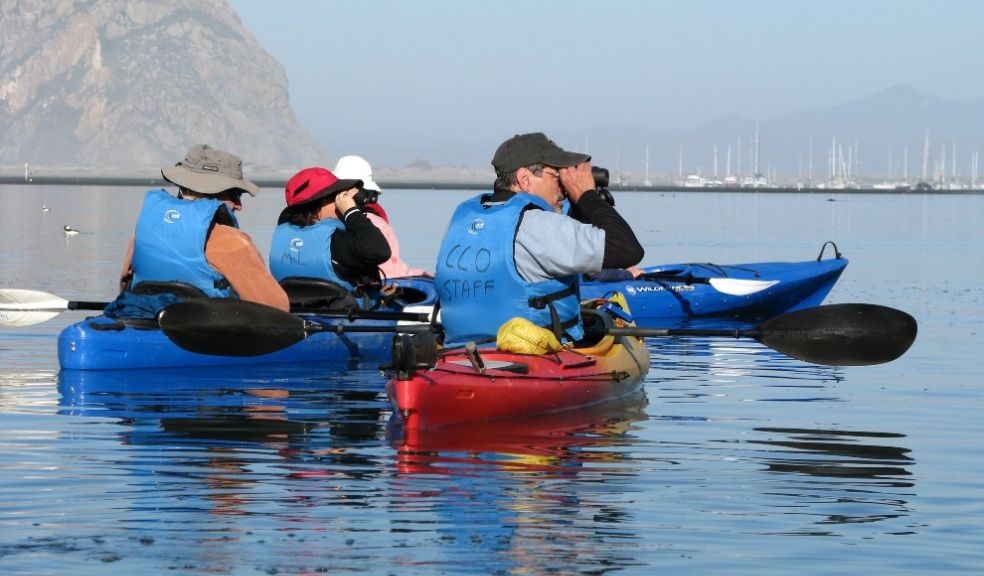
221, 424
826, 475
716, 362
827, 470
526, 496
550, 443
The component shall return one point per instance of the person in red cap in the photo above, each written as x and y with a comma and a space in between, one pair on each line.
322, 234
191, 245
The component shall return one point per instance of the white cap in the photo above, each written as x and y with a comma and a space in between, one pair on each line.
356, 168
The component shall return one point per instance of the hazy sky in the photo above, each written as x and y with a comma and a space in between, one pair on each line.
453, 71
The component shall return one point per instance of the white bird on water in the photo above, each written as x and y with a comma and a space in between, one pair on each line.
69, 231
44, 208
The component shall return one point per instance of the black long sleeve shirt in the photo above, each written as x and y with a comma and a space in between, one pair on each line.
357, 251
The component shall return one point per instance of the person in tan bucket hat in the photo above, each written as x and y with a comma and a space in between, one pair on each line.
190, 244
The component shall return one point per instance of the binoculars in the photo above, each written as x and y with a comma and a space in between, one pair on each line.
601, 184
365, 196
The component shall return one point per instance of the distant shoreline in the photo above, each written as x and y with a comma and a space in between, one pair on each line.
7, 179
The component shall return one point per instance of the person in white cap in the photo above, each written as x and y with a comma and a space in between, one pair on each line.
357, 168
190, 245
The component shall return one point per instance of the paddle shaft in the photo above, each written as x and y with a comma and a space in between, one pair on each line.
350, 314
311, 328
657, 332
83, 305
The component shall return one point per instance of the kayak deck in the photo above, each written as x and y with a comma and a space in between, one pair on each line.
517, 385
753, 291
101, 343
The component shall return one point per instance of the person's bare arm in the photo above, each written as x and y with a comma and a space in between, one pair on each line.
232, 253
127, 273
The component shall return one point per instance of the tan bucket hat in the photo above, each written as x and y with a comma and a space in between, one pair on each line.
209, 171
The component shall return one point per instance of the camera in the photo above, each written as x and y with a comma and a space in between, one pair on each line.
601, 184
365, 196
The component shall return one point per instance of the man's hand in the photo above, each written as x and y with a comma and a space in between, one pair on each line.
577, 180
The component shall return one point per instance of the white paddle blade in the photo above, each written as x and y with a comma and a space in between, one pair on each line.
27, 307
18, 299
740, 287
25, 317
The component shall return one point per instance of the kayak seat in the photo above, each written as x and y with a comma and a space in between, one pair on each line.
303, 292
596, 324
181, 289
402, 296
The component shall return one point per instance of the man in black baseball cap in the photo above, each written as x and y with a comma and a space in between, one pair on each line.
528, 149
514, 253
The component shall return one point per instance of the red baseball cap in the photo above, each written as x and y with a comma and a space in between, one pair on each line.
312, 184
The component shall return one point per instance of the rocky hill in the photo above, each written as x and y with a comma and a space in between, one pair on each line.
130, 84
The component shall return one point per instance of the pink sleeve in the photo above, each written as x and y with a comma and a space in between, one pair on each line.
395, 267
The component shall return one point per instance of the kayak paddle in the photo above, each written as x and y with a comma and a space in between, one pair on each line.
19, 307
836, 334
237, 328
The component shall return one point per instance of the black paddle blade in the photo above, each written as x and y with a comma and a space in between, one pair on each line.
840, 334
229, 327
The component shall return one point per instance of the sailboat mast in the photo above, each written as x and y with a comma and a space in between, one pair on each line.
905, 164
925, 166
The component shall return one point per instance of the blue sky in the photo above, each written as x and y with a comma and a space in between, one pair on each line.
458, 71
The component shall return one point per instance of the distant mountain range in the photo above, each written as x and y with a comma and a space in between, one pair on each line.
128, 85
866, 135
131, 84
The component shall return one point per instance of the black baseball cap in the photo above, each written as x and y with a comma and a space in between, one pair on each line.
534, 148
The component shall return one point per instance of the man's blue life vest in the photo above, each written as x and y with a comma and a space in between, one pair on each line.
305, 252
169, 256
169, 244
477, 281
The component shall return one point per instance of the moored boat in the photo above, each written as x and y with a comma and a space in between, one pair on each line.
488, 384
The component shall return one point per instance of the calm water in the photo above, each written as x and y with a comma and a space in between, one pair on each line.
737, 461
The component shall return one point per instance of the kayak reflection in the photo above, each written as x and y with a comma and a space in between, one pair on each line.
533, 495
248, 403
211, 435
557, 442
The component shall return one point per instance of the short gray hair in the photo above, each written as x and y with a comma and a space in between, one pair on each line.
508, 180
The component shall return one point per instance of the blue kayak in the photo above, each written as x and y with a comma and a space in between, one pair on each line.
100, 343
673, 293
664, 296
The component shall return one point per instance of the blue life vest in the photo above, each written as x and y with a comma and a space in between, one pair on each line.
477, 281
305, 252
169, 249
169, 244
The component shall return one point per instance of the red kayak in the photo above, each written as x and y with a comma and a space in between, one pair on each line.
461, 388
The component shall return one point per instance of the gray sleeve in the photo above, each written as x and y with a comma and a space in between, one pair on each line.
550, 245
